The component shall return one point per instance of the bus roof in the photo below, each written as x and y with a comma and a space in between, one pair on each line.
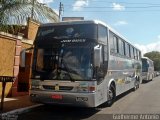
87, 22
83, 22
146, 58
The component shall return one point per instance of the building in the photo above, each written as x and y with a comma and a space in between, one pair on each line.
10, 47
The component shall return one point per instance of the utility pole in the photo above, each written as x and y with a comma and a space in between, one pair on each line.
61, 9
32, 12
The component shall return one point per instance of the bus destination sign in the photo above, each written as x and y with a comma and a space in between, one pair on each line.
74, 41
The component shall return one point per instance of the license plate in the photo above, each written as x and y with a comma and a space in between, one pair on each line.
57, 97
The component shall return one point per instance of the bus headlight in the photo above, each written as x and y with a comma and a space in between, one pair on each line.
85, 87
35, 84
82, 89
35, 87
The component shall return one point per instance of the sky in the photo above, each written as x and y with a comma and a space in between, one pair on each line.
136, 20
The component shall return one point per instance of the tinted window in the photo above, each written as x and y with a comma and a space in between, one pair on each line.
116, 45
132, 51
111, 42
127, 50
144, 65
137, 55
102, 34
65, 63
68, 31
121, 47
105, 53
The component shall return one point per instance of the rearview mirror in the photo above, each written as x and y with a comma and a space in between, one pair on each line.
97, 55
23, 56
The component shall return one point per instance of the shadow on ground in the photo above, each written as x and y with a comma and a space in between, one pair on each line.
52, 112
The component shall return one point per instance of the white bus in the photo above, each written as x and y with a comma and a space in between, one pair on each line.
147, 69
82, 63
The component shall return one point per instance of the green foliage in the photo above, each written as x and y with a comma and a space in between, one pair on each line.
155, 56
16, 12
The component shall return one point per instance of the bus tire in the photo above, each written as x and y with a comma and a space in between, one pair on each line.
111, 95
152, 77
136, 84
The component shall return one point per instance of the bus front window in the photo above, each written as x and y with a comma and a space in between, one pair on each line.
73, 63
144, 65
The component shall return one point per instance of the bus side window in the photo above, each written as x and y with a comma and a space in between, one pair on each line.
134, 51
137, 55
102, 34
127, 50
140, 55
105, 53
111, 42
124, 48
121, 46
116, 44
131, 52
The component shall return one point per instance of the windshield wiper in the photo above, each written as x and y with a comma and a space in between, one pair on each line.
67, 70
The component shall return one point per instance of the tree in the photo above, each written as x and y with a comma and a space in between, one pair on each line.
155, 56
16, 12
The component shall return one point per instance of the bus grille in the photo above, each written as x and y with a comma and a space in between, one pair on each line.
63, 88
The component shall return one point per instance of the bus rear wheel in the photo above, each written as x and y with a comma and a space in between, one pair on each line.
111, 95
136, 85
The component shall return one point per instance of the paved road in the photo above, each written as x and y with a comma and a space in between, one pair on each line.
146, 100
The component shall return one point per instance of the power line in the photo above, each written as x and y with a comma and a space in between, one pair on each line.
118, 11
105, 1
137, 8
113, 7
125, 2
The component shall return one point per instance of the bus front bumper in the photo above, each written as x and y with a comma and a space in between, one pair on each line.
63, 98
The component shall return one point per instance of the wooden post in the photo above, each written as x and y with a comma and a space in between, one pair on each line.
4, 80
2, 97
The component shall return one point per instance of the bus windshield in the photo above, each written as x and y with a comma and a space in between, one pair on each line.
64, 63
63, 52
67, 32
144, 65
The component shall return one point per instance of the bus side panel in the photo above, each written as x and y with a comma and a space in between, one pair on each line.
122, 71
